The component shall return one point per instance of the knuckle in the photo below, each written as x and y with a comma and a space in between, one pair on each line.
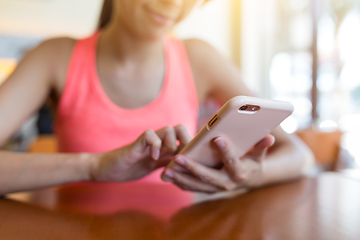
148, 133
230, 160
169, 129
195, 169
191, 168
172, 147
229, 186
240, 177
158, 142
205, 178
181, 127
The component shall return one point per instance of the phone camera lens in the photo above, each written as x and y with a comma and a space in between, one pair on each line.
243, 108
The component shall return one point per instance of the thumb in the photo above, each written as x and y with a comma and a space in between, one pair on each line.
259, 150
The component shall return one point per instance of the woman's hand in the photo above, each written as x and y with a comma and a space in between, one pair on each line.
236, 173
149, 152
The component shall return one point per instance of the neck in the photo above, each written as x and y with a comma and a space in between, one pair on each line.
121, 45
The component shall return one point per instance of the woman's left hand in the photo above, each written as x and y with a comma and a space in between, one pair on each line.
245, 172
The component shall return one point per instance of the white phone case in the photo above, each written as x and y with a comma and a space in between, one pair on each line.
242, 129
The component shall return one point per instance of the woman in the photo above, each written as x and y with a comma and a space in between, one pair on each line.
129, 77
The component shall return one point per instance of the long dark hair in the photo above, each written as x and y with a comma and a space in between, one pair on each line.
106, 13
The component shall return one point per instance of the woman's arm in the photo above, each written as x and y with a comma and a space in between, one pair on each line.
29, 86
24, 171
218, 78
224, 81
289, 158
25, 91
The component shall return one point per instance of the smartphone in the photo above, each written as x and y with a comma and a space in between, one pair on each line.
242, 122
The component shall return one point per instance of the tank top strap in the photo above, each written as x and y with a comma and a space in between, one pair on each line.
88, 121
78, 73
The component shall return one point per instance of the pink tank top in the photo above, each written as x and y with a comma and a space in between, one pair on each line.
88, 121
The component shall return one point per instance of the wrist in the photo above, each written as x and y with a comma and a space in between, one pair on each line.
87, 163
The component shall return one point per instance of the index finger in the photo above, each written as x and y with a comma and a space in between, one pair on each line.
182, 135
232, 164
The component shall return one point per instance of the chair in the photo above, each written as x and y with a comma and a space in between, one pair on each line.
44, 144
324, 145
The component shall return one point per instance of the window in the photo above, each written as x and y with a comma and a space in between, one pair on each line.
310, 55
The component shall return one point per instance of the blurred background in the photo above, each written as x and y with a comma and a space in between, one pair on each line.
303, 51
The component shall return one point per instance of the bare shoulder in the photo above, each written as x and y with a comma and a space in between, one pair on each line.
44, 66
58, 46
51, 54
194, 44
203, 60
30, 84
200, 52
57, 49
54, 55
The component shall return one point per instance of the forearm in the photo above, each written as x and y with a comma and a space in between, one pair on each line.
25, 171
292, 160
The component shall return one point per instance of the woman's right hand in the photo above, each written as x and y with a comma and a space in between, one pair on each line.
149, 152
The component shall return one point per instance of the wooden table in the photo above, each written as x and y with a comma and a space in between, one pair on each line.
326, 207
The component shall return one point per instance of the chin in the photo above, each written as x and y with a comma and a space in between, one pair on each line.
154, 34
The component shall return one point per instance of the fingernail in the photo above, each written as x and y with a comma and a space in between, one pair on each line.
166, 179
156, 154
220, 143
180, 161
169, 174
273, 138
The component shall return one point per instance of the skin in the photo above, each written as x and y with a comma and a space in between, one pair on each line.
22, 171
131, 69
